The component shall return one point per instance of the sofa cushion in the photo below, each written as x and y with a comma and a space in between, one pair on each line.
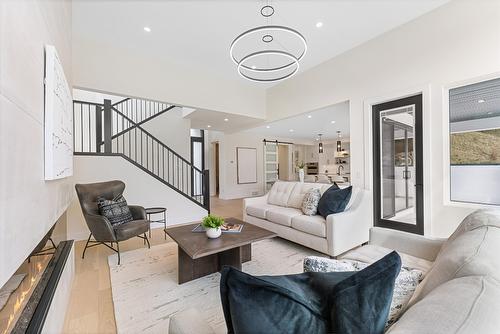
334, 200
280, 192
298, 192
405, 284
372, 253
314, 225
282, 216
116, 210
473, 251
310, 203
131, 229
462, 305
339, 302
259, 210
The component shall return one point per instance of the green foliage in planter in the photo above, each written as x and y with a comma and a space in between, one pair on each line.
212, 221
301, 165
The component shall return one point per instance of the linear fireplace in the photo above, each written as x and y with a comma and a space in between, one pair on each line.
35, 298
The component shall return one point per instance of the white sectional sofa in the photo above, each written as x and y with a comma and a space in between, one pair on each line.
460, 292
280, 211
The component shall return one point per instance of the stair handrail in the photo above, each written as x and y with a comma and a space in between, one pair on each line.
136, 125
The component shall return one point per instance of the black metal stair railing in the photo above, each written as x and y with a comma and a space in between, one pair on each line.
106, 129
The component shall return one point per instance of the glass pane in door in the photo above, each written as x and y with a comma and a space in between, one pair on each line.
397, 165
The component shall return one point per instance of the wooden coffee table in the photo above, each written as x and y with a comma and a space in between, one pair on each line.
200, 256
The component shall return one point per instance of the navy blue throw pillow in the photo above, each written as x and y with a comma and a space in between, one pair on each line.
334, 200
312, 302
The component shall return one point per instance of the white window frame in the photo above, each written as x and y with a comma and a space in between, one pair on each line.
446, 142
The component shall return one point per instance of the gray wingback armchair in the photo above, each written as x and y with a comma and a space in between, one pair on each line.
99, 226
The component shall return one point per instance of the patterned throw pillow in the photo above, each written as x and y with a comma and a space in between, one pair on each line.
405, 284
310, 202
116, 210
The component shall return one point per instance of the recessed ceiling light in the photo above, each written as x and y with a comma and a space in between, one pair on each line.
209, 126
309, 116
254, 67
480, 101
226, 120
291, 130
317, 139
147, 29
267, 127
319, 24
333, 122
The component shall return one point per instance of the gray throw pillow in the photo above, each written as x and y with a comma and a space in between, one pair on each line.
310, 202
116, 210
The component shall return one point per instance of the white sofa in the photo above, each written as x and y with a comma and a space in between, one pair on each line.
280, 211
460, 292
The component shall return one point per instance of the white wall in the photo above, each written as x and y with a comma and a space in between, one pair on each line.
29, 206
457, 41
141, 189
103, 68
173, 130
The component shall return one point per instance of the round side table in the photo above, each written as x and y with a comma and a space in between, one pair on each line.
163, 220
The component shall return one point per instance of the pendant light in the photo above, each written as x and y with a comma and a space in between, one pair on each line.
320, 144
339, 141
268, 53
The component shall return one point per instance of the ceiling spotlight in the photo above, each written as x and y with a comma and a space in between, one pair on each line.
254, 67
291, 130
309, 116
333, 122
480, 101
209, 126
147, 29
319, 24
267, 127
226, 120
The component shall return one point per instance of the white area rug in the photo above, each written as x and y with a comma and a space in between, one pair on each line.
9, 287
146, 293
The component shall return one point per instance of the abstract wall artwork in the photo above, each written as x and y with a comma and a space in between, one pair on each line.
58, 119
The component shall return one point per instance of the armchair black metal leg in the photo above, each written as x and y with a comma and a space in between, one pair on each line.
146, 240
118, 251
86, 245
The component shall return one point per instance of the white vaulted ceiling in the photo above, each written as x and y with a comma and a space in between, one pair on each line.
198, 33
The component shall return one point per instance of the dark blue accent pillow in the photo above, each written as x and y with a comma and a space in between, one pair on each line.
312, 302
334, 200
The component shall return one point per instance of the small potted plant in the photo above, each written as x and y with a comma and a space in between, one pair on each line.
300, 166
212, 226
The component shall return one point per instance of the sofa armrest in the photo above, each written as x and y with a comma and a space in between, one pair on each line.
349, 229
408, 243
138, 212
255, 200
188, 322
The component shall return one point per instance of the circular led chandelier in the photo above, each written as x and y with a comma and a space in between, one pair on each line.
269, 47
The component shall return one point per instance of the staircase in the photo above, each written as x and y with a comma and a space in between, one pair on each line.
116, 130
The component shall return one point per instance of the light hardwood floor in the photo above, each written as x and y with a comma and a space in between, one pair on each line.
91, 306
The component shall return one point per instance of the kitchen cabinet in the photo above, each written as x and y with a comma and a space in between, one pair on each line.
311, 153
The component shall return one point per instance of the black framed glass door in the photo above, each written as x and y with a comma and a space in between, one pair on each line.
397, 164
